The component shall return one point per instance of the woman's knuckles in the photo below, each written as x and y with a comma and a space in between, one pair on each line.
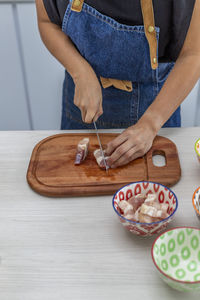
109, 148
120, 151
128, 156
141, 152
88, 121
89, 118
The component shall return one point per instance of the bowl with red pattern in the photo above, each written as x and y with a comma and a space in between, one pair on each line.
164, 197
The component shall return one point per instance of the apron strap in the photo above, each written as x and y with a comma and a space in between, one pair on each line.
150, 32
77, 5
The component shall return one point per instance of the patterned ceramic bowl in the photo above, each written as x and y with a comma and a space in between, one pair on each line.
164, 194
176, 255
196, 202
197, 149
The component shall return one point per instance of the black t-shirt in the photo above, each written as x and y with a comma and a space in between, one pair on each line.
172, 16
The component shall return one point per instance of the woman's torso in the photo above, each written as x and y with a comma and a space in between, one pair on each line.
171, 16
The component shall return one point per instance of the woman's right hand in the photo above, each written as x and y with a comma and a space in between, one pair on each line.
88, 95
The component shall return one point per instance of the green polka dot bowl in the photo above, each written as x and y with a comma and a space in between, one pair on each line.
197, 149
176, 255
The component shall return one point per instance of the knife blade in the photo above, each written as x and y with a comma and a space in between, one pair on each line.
100, 145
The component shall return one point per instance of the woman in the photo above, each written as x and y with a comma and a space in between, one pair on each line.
129, 64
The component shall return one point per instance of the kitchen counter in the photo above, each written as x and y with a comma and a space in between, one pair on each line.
75, 248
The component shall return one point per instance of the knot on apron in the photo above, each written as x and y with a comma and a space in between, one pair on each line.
124, 85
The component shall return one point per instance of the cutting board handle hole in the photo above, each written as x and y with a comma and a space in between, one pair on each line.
159, 158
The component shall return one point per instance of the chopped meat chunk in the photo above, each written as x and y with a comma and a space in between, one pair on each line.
126, 208
143, 208
137, 201
130, 217
147, 219
82, 151
99, 158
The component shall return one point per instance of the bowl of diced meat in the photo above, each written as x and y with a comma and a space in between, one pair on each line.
145, 208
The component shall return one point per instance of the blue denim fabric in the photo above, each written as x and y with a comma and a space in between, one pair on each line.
117, 51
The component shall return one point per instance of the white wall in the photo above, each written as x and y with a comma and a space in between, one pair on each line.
31, 79
191, 108
14, 113
197, 116
43, 72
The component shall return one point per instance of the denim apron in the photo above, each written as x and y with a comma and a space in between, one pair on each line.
118, 51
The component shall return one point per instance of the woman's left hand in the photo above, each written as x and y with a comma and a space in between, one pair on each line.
132, 143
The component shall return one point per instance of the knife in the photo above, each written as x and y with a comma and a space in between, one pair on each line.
101, 149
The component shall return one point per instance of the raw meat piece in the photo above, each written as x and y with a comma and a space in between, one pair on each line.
157, 205
99, 158
82, 151
144, 218
152, 203
125, 207
130, 217
162, 214
137, 214
147, 219
141, 196
151, 198
143, 208
164, 207
137, 201
153, 212
148, 210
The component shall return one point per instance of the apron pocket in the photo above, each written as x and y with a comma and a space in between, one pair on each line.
120, 108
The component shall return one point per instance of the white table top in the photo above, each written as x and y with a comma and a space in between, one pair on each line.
75, 248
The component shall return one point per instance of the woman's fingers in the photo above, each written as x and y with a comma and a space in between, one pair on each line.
122, 151
83, 113
93, 112
88, 117
88, 94
114, 144
98, 114
127, 157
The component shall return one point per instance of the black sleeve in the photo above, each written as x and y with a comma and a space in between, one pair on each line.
182, 14
53, 11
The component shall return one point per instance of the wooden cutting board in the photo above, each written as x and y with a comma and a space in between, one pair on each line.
52, 172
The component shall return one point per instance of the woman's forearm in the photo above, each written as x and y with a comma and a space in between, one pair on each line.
178, 85
62, 48
58, 43
181, 80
